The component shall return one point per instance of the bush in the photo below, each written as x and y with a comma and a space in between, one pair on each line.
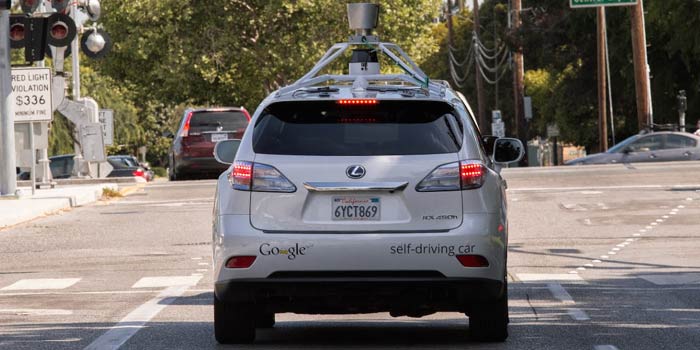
160, 171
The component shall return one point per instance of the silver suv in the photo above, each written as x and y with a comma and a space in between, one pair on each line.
361, 193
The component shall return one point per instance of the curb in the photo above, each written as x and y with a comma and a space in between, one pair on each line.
128, 190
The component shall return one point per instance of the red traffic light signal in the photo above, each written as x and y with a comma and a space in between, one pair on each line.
60, 30
17, 31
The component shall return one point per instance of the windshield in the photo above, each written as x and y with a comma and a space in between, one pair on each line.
622, 145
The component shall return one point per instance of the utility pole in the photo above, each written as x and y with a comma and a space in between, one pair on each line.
450, 30
641, 67
518, 75
484, 123
602, 83
8, 170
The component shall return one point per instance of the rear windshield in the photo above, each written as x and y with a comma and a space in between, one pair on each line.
230, 121
325, 128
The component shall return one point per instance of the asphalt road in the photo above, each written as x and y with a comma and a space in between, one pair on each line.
600, 258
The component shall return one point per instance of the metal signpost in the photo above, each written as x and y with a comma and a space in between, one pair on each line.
31, 99
597, 3
8, 175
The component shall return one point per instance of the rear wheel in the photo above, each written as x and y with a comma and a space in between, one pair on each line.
234, 323
488, 322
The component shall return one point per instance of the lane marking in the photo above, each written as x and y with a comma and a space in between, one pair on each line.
42, 283
37, 312
137, 319
594, 188
166, 281
543, 277
606, 347
562, 295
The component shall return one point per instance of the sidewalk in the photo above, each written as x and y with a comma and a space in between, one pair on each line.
47, 201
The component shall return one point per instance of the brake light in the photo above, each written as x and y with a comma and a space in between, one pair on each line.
464, 175
240, 262
186, 128
241, 175
358, 102
256, 177
471, 174
138, 172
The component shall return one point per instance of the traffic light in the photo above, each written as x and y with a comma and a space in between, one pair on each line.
60, 30
17, 31
96, 43
29, 6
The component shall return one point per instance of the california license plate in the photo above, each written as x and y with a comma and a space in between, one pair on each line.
219, 137
356, 208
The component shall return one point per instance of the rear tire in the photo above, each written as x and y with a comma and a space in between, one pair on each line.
234, 323
488, 322
265, 320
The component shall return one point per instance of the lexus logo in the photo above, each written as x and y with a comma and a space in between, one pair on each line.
355, 171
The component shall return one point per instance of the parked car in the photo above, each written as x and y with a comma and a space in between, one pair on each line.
192, 152
61, 166
665, 146
134, 162
351, 196
123, 166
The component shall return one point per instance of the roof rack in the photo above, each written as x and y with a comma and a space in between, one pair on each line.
412, 74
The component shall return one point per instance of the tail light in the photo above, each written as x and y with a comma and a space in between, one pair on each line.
256, 177
358, 102
464, 175
186, 128
138, 172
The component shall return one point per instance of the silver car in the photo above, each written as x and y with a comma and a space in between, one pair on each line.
361, 193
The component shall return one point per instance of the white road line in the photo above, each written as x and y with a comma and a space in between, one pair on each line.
663, 280
562, 295
544, 277
137, 319
37, 312
632, 187
166, 281
42, 283
605, 347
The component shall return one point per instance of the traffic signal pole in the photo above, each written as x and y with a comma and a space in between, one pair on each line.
8, 170
602, 82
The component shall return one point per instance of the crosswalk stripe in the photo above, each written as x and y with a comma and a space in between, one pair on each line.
166, 281
42, 283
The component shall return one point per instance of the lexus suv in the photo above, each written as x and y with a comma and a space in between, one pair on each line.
361, 193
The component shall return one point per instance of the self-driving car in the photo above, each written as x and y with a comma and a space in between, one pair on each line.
361, 193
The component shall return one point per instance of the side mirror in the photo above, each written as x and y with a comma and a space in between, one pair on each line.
168, 134
225, 151
627, 150
489, 142
507, 150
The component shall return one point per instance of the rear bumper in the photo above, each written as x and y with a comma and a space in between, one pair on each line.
199, 164
400, 296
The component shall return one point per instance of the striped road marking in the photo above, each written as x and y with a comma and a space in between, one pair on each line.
166, 281
42, 283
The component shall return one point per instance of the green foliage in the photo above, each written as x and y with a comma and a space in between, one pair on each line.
170, 54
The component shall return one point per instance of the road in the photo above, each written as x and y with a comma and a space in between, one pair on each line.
600, 258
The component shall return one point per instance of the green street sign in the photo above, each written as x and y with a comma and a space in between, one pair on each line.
597, 3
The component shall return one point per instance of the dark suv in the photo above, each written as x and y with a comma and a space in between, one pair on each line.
192, 152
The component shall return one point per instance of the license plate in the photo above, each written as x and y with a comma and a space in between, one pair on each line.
219, 137
356, 209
